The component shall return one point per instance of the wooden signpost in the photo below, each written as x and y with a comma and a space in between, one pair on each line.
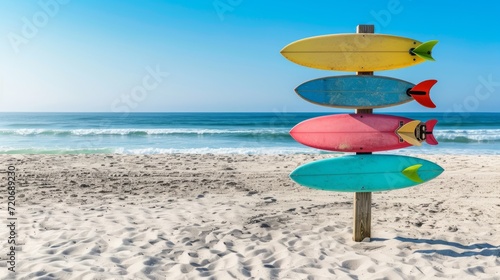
362, 224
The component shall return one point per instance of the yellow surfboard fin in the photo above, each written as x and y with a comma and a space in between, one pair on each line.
411, 173
407, 132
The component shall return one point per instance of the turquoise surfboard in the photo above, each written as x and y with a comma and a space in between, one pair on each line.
353, 91
365, 173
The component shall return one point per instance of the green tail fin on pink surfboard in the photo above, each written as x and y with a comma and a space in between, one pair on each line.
424, 50
411, 173
421, 93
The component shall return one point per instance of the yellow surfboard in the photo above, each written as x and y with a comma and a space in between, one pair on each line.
358, 52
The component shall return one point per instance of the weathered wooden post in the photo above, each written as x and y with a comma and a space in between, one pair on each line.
363, 200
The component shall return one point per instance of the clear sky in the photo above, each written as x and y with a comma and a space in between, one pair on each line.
223, 55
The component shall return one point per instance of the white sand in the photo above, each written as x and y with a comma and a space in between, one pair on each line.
235, 216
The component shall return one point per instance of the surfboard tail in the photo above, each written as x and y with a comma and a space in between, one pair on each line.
421, 93
429, 137
424, 50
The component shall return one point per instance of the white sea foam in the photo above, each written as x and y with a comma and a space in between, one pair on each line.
469, 135
459, 136
138, 131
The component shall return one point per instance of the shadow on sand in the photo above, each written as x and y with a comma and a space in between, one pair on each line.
480, 249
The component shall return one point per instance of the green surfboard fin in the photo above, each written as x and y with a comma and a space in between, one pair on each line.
411, 173
424, 50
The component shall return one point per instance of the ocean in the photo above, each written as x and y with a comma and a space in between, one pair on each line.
237, 133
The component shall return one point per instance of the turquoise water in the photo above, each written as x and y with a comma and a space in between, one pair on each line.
242, 133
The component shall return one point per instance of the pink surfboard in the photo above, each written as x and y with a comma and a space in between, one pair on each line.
363, 132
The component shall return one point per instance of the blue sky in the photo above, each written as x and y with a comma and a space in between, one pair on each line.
223, 55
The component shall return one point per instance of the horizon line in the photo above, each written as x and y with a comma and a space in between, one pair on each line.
231, 112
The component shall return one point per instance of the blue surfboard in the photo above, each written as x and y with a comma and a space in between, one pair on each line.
353, 91
365, 173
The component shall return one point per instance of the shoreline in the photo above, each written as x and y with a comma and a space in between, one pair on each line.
193, 216
266, 151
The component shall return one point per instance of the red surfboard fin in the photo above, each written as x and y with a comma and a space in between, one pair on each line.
429, 137
421, 93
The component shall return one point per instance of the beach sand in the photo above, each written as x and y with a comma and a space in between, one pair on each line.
241, 217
